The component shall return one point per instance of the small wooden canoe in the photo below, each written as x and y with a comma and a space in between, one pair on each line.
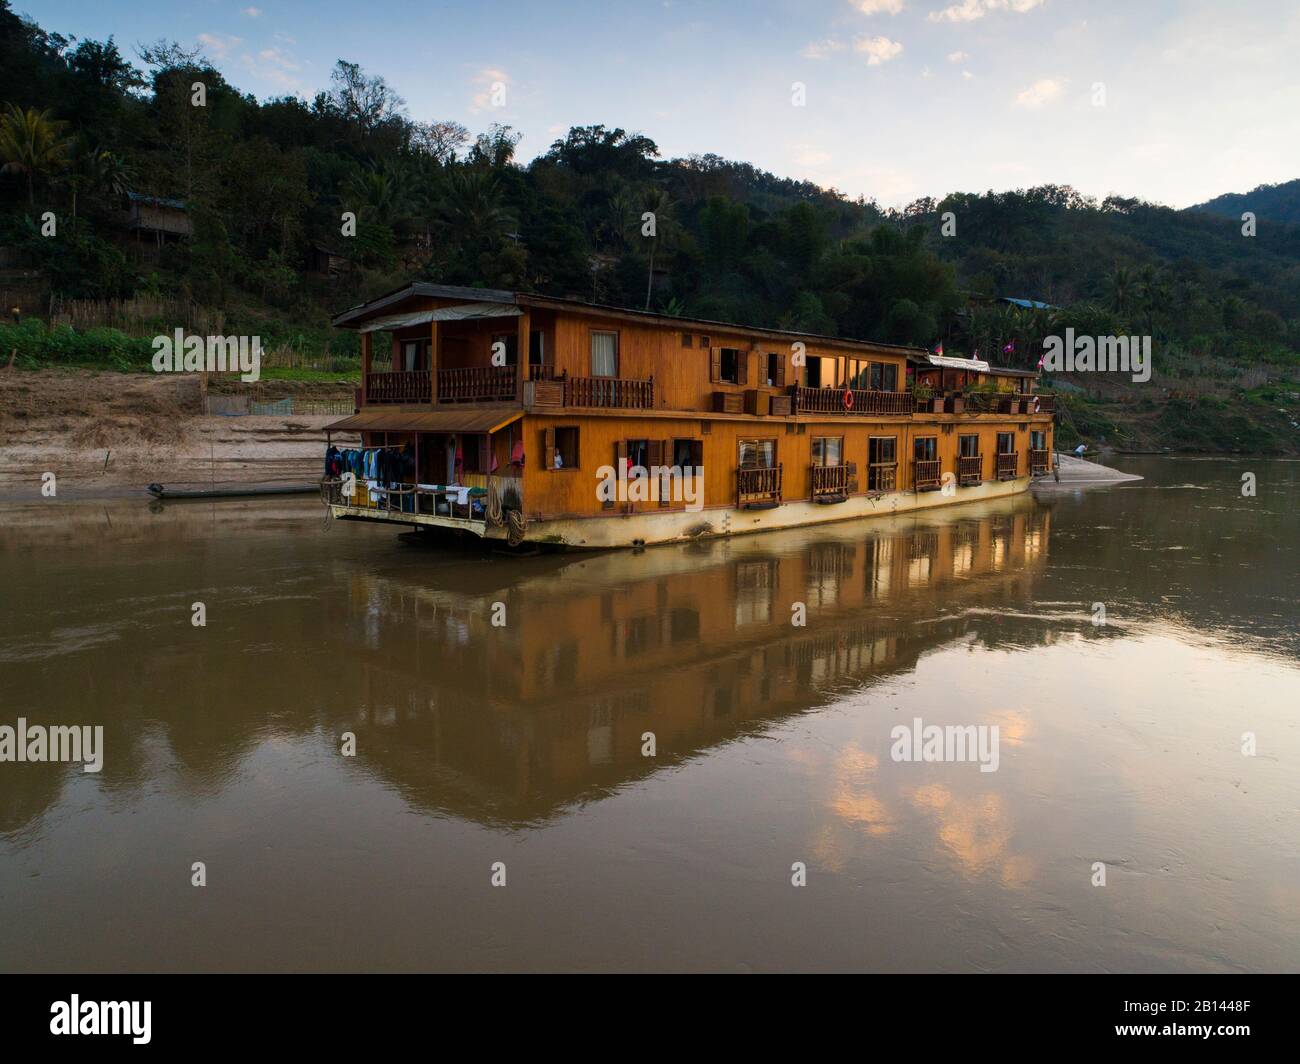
158, 491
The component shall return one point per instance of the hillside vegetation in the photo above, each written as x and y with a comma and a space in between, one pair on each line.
267, 184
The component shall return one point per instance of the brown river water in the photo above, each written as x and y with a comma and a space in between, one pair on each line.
519, 748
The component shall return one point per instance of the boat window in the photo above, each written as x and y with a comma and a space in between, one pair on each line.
827, 450
757, 454
561, 447
604, 354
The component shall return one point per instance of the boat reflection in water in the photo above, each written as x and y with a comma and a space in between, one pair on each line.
692, 645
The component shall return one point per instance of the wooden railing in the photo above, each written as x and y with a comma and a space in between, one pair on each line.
495, 493
925, 474
970, 469
543, 371
882, 476
616, 393
830, 480
406, 386
1040, 462
1008, 466
760, 484
833, 401
476, 384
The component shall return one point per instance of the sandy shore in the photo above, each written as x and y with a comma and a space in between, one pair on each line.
110, 434
1081, 471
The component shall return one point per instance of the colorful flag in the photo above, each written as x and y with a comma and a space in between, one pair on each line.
1008, 347
938, 349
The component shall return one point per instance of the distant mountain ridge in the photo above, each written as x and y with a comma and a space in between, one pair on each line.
1277, 203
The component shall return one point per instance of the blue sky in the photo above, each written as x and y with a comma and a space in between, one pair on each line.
904, 98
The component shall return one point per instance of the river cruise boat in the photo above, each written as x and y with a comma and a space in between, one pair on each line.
534, 419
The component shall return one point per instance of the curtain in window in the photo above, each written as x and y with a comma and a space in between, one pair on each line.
604, 354
757, 454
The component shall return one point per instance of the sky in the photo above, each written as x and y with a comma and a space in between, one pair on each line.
1173, 101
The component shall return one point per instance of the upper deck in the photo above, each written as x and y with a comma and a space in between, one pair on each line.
429, 346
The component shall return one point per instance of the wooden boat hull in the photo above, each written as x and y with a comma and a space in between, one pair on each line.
651, 526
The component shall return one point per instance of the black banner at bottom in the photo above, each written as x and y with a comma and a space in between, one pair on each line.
218, 1012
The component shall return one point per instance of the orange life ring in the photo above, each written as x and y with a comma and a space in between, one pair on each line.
848, 399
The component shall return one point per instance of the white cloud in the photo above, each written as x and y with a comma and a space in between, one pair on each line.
878, 7
485, 79
1040, 93
877, 49
251, 12
970, 10
821, 49
957, 57
967, 75
218, 45
274, 65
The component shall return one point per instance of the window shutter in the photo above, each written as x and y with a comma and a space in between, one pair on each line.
742, 367
715, 364
655, 456
778, 379
548, 448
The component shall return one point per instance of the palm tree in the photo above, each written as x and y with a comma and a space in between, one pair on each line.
472, 206
1120, 288
660, 205
31, 143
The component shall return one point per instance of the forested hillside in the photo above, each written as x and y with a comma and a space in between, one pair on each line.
266, 186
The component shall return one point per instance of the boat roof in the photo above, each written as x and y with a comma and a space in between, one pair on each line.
354, 316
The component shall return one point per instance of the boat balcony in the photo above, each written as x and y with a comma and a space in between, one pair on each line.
830, 482
1040, 462
477, 504
399, 386
758, 487
850, 401
970, 470
1008, 466
925, 474
610, 393
477, 384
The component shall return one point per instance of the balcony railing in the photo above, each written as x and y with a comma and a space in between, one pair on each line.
882, 476
1040, 462
970, 469
850, 401
1008, 466
476, 384
829, 480
616, 393
925, 474
759, 485
1046, 403
408, 386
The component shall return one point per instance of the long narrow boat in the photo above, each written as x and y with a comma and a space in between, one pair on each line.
595, 426
158, 491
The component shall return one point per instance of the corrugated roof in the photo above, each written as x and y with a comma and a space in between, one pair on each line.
426, 421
